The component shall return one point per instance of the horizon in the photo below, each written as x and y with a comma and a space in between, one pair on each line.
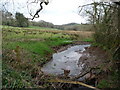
60, 24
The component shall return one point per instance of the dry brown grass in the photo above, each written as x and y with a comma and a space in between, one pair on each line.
79, 35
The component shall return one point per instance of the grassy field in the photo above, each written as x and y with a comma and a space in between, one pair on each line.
42, 28
25, 50
79, 27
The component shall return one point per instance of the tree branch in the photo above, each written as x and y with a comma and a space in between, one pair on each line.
100, 3
73, 82
36, 14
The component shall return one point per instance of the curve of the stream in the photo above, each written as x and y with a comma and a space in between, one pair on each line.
68, 60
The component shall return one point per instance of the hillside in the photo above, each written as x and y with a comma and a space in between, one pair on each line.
74, 26
77, 27
69, 26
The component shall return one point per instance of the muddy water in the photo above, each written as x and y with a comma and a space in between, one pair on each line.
67, 59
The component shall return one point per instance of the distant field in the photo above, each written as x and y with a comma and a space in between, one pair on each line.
42, 28
31, 27
79, 27
35, 31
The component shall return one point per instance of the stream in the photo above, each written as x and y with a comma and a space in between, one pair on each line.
66, 60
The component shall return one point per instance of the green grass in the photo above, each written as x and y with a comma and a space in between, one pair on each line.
15, 79
20, 33
41, 48
43, 28
30, 27
35, 49
32, 36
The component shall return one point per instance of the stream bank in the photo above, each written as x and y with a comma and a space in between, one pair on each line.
94, 59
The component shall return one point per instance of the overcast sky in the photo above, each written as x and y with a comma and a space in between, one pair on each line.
57, 11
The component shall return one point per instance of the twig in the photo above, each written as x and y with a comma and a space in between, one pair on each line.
73, 82
116, 50
101, 3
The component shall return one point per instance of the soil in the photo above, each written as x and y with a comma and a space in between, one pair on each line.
93, 57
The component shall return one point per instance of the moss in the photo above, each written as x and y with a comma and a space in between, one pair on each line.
103, 84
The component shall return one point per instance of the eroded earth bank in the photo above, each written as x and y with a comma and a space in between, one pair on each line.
78, 62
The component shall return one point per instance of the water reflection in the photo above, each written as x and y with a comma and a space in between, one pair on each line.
67, 59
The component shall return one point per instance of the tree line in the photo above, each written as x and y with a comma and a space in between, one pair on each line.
19, 20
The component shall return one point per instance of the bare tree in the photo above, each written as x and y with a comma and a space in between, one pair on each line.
105, 18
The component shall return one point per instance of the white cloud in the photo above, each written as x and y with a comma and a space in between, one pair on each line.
62, 12
57, 11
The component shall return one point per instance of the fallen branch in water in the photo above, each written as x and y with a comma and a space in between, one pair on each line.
72, 82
